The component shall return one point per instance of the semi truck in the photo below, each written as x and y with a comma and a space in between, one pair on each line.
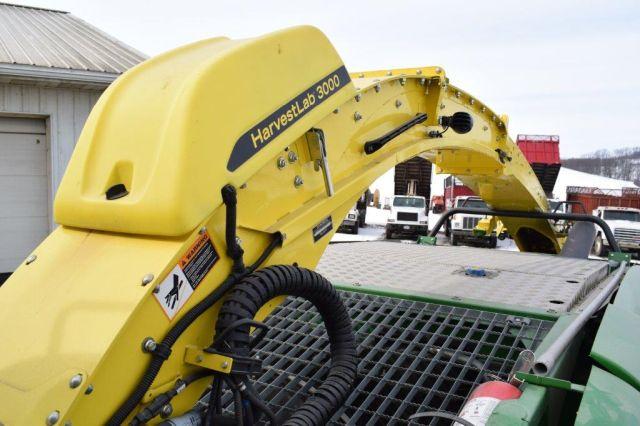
543, 154
408, 217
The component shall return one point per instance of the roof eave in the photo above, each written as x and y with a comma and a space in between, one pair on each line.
69, 76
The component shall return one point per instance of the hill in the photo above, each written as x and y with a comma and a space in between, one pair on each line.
621, 163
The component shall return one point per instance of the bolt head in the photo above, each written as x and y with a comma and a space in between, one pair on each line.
297, 181
53, 418
166, 411
225, 364
377, 87
147, 279
32, 258
398, 103
88, 390
199, 358
438, 70
149, 345
358, 97
75, 381
337, 110
281, 163
203, 230
293, 157
419, 72
357, 116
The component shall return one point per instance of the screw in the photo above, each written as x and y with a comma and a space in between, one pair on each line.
199, 358
149, 345
297, 181
281, 163
357, 116
32, 258
53, 418
166, 411
225, 364
337, 110
398, 103
293, 157
148, 278
377, 87
75, 381
203, 230
358, 97
88, 390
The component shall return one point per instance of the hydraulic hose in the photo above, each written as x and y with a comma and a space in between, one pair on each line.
255, 290
185, 321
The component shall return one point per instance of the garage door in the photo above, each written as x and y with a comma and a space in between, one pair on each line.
24, 197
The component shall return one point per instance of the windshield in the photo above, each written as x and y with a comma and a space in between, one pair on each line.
408, 202
622, 215
554, 204
473, 203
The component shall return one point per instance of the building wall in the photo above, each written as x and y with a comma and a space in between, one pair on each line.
65, 109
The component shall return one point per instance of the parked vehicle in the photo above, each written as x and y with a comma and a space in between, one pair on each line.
350, 224
461, 226
625, 225
408, 216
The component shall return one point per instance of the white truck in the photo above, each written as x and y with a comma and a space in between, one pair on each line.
351, 222
460, 227
407, 216
625, 225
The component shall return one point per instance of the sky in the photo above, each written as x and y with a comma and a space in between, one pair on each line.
555, 67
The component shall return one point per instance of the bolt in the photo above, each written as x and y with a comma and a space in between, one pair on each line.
441, 106
297, 181
68, 423
32, 258
293, 157
149, 345
243, 186
389, 73
148, 278
423, 81
88, 390
75, 381
457, 94
281, 163
358, 97
419, 72
438, 70
224, 364
203, 230
166, 411
199, 358
483, 109
53, 418
403, 81
337, 110
472, 101
156, 289
398, 103
377, 87
357, 116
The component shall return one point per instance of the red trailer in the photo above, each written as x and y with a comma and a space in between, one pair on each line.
453, 188
543, 153
593, 198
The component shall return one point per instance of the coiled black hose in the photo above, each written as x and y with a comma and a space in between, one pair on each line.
245, 299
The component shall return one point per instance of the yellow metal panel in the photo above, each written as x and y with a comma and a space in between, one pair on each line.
167, 129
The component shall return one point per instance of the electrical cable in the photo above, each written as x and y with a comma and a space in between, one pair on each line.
442, 415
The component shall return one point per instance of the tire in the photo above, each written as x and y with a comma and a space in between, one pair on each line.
447, 231
598, 246
453, 239
354, 229
389, 234
493, 242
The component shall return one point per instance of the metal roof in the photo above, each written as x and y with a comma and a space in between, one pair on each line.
34, 38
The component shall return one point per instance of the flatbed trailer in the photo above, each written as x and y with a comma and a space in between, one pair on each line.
429, 333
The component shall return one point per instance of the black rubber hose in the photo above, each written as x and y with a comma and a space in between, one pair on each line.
255, 290
235, 252
156, 362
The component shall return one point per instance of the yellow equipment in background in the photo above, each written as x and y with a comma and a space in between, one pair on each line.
277, 117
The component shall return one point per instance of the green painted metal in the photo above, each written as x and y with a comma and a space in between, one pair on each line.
478, 232
607, 400
454, 301
628, 296
549, 382
616, 345
427, 240
618, 256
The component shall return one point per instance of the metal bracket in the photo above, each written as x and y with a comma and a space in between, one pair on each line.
216, 362
318, 152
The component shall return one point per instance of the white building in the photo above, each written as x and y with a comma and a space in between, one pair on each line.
53, 68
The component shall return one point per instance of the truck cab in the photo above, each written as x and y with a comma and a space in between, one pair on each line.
460, 229
625, 225
408, 216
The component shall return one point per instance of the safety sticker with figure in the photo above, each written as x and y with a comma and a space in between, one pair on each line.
182, 281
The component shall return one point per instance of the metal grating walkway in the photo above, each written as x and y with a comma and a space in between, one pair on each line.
414, 356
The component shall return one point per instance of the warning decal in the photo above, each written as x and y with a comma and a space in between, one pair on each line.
179, 285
